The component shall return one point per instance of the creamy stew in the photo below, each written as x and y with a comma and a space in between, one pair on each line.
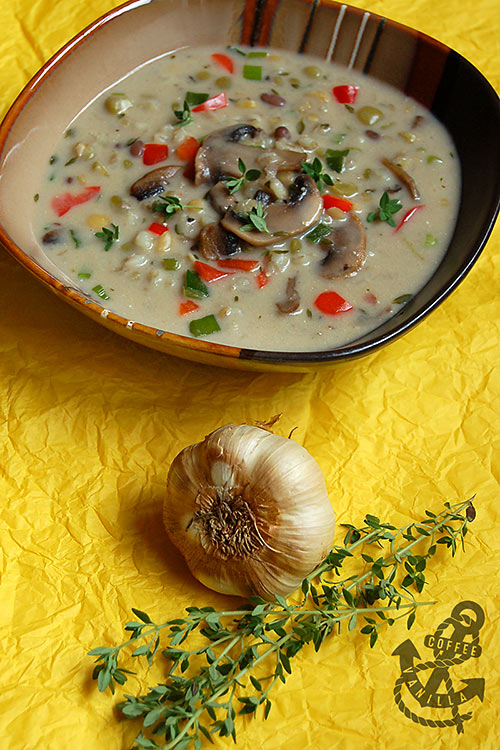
255, 198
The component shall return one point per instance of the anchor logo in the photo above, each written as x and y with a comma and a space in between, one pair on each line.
460, 643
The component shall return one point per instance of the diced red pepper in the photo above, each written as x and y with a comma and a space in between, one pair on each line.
62, 203
224, 61
157, 228
216, 102
335, 201
262, 279
331, 303
239, 264
370, 298
188, 307
154, 153
345, 94
188, 149
209, 273
408, 215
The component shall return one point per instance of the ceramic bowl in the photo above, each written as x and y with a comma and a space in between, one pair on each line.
140, 30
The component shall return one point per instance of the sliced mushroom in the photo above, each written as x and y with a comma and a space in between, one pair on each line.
292, 302
346, 249
221, 151
283, 218
403, 175
154, 182
221, 198
263, 197
215, 242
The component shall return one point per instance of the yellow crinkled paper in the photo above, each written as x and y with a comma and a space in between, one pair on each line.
91, 421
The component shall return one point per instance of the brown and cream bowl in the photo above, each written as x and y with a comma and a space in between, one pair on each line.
422, 68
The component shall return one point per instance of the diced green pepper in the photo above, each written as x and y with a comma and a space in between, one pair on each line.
100, 291
402, 299
84, 275
194, 286
171, 264
204, 326
430, 240
318, 233
252, 72
257, 54
335, 158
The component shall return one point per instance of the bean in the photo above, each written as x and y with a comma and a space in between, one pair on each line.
282, 132
51, 237
137, 148
275, 100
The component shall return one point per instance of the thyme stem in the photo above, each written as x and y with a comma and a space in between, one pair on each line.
187, 707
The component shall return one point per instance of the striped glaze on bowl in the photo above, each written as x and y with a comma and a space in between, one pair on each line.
421, 67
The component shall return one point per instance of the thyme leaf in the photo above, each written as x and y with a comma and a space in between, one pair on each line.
314, 169
387, 207
247, 175
256, 218
203, 689
108, 236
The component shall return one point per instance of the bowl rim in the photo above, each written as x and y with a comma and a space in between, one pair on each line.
268, 357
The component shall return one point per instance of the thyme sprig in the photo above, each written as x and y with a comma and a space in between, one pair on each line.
108, 236
256, 219
247, 175
207, 685
387, 207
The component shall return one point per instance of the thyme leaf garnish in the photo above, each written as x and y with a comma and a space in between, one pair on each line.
108, 236
387, 207
256, 219
247, 175
204, 687
314, 169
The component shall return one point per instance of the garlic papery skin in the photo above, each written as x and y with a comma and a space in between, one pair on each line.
249, 511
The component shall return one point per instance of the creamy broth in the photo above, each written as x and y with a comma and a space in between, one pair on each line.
318, 203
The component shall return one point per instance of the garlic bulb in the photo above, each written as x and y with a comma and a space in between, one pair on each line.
249, 511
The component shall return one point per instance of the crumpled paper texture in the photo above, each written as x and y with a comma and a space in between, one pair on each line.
91, 421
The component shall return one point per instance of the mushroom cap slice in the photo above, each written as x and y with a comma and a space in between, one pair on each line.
403, 175
283, 218
291, 303
215, 243
346, 249
154, 182
221, 199
221, 151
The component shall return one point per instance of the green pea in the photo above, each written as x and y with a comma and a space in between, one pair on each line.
224, 82
203, 75
117, 104
312, 71
369, 115
127, 163
345, 188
